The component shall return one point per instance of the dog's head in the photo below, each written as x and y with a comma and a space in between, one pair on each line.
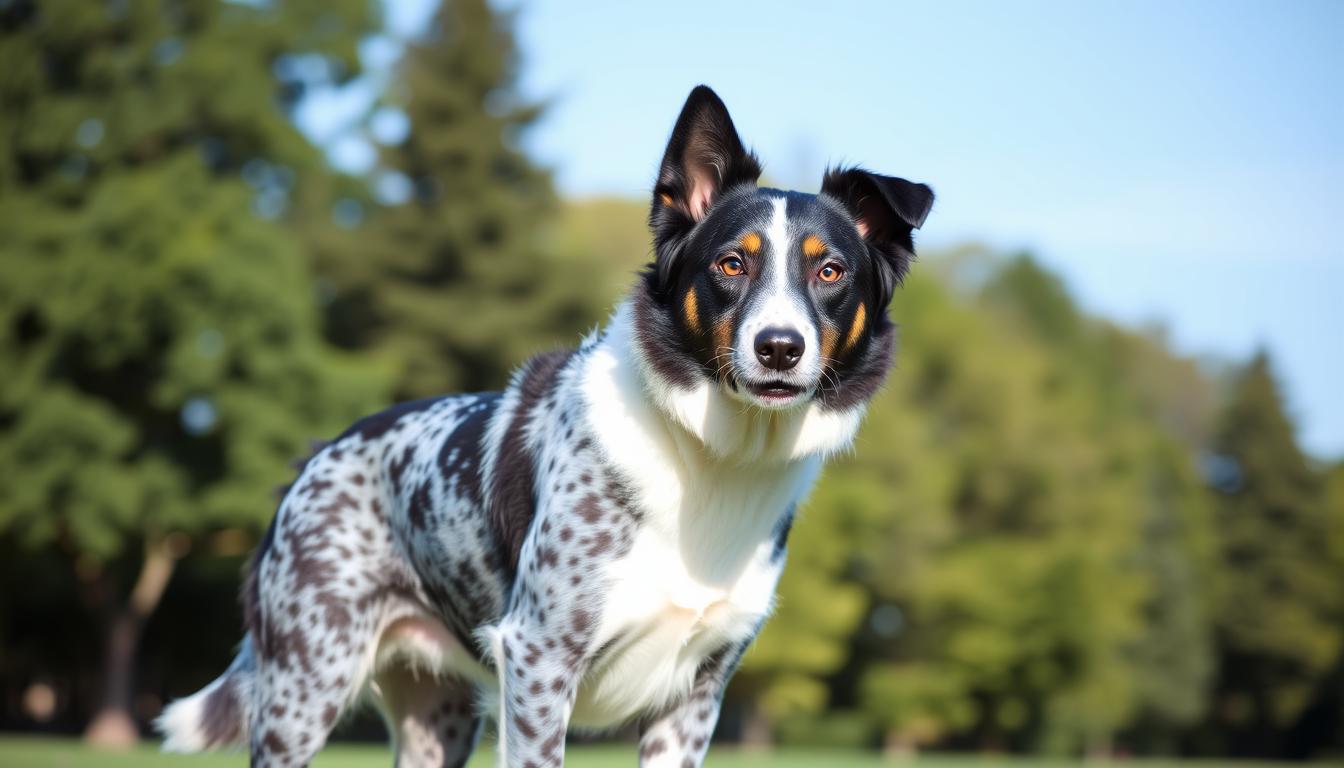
779, 298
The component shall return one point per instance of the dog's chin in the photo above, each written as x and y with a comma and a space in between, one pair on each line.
770, 394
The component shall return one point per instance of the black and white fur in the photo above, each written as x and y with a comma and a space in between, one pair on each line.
600, 542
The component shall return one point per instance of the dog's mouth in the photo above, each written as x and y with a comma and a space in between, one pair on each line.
774, 392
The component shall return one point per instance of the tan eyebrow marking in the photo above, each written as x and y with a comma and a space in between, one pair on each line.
857, 328
751, 243
692, 311
813, 247
666, 198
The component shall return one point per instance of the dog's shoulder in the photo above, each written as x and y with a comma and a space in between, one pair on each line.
512, 466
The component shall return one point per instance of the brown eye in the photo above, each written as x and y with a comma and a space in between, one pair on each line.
830, 272
732, 266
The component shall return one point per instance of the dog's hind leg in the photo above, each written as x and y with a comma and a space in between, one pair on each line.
324, 586
433, 719
298, 701
314, 654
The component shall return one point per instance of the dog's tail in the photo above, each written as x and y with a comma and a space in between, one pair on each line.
215, 716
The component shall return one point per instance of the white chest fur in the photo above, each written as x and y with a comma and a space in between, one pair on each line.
700, 576
701, 572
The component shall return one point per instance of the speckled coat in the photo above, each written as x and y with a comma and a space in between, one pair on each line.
600, 542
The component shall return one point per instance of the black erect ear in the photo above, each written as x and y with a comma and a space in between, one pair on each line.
886, 211
704, 158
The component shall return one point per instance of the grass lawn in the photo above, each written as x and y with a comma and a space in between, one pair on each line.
28, 752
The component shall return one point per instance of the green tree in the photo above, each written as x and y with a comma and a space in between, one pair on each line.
783, 679
1319, 729
1018, 502
158, 334
453, 285
1278, 592
1151, 412
1164, 404
1173, 659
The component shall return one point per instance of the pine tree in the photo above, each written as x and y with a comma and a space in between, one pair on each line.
454, 285
1277, 588
1173, 659
158, 333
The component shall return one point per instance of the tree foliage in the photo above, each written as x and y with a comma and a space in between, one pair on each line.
158, 334
452, 281
1277, 619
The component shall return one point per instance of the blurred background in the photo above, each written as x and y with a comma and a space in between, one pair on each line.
1098, 509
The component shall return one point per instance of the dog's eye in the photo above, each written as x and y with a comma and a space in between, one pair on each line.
732, 266
830, 272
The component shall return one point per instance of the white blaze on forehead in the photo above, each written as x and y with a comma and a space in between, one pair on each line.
778, 237
778, 305
782, 304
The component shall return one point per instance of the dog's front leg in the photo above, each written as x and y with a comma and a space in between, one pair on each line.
544, 643
538, 679
679, 736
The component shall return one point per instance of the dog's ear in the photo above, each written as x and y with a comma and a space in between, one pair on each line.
704, 158
886, 211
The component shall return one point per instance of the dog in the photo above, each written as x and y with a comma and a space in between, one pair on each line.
600, 542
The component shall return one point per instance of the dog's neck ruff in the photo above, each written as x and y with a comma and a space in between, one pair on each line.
728, 429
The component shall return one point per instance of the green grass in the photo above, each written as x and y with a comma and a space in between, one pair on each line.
17, 751
29, 752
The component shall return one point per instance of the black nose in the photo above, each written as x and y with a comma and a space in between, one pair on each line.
779, 348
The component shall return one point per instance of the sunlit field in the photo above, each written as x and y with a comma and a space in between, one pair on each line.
59, 753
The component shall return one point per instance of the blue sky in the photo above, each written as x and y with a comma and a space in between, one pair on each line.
1178, 163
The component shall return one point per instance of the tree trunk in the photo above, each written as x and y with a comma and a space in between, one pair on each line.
757, 731
1100, 748
897, 746
114, 726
